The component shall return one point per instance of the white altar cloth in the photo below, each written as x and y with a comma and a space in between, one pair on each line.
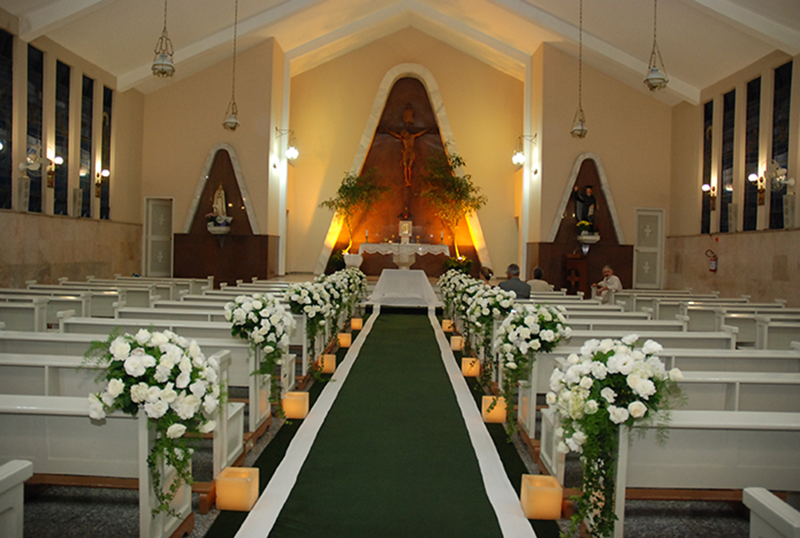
403, 254
397, 287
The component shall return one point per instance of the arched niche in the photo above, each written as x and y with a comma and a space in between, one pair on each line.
222, 168
470, 233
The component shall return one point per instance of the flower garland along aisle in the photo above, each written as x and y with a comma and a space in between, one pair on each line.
523, 333
484, 308
169, 377
450, 286
267, 324
312, 300
610, 383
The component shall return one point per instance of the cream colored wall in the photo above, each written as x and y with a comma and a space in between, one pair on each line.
183, 122
47, 247
127, 137
764, 265
330, 105
628, 129
687, 170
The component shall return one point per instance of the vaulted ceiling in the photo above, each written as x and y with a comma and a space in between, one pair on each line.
701, 41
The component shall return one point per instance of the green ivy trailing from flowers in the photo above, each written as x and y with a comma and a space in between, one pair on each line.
267, 324
523, 333
608, 384
172, 381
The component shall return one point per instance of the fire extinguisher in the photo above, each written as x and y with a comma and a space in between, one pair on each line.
712, 260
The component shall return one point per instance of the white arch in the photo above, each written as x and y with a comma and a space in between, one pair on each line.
606, 192
394, 74
201, 185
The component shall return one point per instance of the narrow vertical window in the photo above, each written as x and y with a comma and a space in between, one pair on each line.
750, 209
6, 106
780, 138
87, 168
726, 168
708, 124
34, 134
62, 138
105, 158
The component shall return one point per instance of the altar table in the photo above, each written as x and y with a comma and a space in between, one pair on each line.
403, 254
398, 287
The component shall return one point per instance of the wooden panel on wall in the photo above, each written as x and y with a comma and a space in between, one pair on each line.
552, 258
228, 258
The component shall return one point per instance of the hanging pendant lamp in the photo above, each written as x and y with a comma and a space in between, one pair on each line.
231, 122
163, 65
656, 78
579, 129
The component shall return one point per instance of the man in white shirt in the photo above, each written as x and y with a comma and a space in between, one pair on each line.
610, 282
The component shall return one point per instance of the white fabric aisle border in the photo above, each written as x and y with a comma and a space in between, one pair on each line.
262, 517
502, 495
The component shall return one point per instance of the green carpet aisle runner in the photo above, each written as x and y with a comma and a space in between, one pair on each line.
393, 457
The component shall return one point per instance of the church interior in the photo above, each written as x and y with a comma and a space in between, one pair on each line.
670, 130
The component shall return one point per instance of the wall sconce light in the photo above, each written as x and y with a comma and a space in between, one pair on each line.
51, 170
761, 184
712, 194
98, 181
291, 151
519, 155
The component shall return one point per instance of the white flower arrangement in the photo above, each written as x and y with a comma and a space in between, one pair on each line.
169, 378
524, 332
485, 307
267, 324
451, 285
609, 383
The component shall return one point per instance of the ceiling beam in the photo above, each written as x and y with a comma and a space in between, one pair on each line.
753, 24
50, 17
192, 52
594, 45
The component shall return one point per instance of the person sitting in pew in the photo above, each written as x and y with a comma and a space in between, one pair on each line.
538, 283
610, 282
514, 284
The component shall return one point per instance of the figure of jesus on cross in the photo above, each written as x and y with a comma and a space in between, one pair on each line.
408, 151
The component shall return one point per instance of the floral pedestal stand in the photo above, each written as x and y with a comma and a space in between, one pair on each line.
220, 232
353, 260
586, 240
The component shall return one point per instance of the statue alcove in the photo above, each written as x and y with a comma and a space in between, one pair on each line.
240, 254
562, 261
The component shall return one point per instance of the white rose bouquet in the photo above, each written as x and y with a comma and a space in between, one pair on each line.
609, 383
484, 308
313, 300
451, 284
524, 332
265, 323
169, 378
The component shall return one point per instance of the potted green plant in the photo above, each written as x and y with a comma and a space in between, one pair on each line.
451, 196
355, 194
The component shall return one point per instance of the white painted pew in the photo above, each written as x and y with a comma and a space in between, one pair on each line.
192, 285
703, 317
133, 296
633, 300
776, 334
605, 314
741, 391
668, 308
683, 339
162, 288
80, 303
705, 450
25, 316
747, 323
243, 361
177, 314
770, 517
57, 436
12, 496
99, 303
601, 325
48, 375
735, 360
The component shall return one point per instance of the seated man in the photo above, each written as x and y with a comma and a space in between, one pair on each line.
514, 284
610, 282
537, 284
